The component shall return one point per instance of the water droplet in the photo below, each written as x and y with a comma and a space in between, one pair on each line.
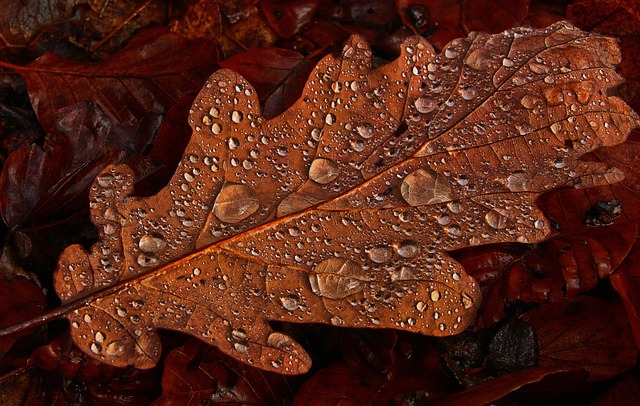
238, 334
529, 102
425, 186
100, 337
337, 278
469, 93
152, 243
453, 230
425, 104
216, 128
147, 260
105, 180
233, 142
365, 130
114, 348
539, 224
518, 182
435, 295
496, 220
323, 170
455, 206
237, 116
559, 163
507, 62
330, 118
556, 128
291, 302
214, 112
421, 306
235, 203
95, 348
408, 249
450, 53
242, 348
87, 318
380, 254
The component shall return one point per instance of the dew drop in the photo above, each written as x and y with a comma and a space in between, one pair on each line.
87, 318
216, 128
95, 348
114, 348
539, 224
100, 337
214, 112
323, 171
365, 130
291, 302
380, 254
507, 62
425, 186
408, 249
518, 182
337, 278
529, 102
421, 306
435, 295
152, 243
235, 203
330, 118
242, 348
496, 220
237, 116
425, 104
469, 93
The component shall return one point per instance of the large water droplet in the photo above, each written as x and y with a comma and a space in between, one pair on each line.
235, 203
469, 93
237, 116
380, 254
114, 348
290, 302
323, 170
152, 243
337, 278
425, 186
425, 104
365, 130
518, 182
496, 220
435, 295
408, 249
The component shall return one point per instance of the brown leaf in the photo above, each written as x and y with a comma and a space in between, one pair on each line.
342, 209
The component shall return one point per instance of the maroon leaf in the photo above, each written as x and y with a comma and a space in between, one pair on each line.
585, 332
545, 383
195, 374
493, 15
278, 75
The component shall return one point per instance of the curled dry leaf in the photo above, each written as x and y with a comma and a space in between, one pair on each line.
342, 209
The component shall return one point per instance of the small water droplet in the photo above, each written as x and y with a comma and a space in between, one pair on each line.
87, 318
435, 295
95, 348
518, 182
114, 348
507, 62
421, 306
539, 224
242, 348
469, 93
529, 102
100, 337
559, 163
330, 118
216, 128
214, 112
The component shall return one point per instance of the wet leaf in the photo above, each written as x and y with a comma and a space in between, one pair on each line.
342, 209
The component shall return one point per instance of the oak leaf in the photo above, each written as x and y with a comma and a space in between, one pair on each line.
342, 209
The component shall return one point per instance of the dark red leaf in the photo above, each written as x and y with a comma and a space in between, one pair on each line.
614, 17
278, 75
22, 298
585, 332
624, 392
287, 18
196, 374
532, 386
493, 15
97, 114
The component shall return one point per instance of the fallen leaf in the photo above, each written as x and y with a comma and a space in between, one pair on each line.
492, 15
317, 215
96, 114
585, 332
619, 17
195, 374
